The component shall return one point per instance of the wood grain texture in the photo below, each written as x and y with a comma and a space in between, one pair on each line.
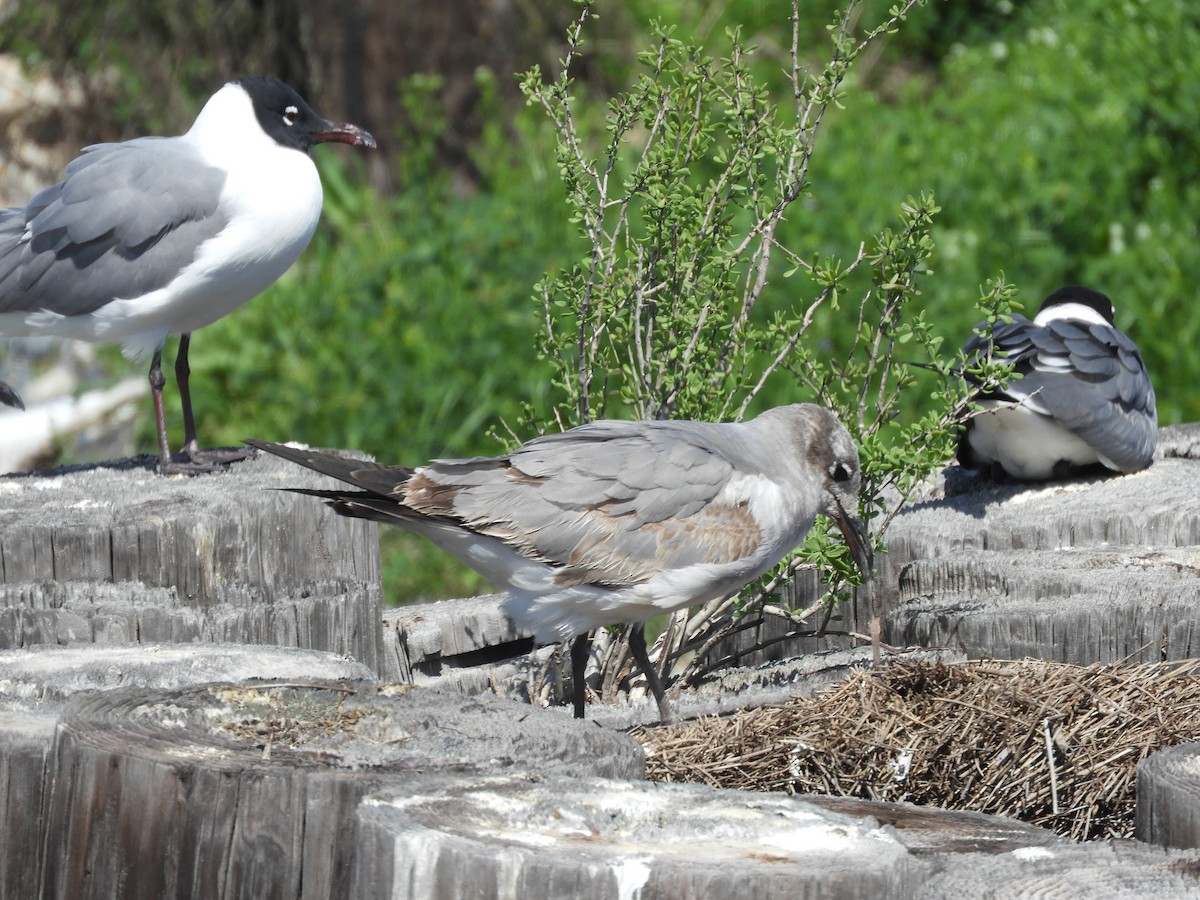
250, 790
35, 683
1168, 797
441, 634
121, 554
1076, 605
586, 838
25, 737
1109, 870
1084, 571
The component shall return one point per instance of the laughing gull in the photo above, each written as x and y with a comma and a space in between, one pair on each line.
619, 521
164, 235
1083, 396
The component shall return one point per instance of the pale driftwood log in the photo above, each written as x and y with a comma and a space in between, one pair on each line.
103, 553
35, 683
250, 790
1168, 797
589, 838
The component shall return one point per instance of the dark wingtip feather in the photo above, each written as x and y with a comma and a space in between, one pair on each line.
9, 397
361, 473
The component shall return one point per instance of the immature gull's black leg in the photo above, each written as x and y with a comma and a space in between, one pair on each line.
579, 655
637, 646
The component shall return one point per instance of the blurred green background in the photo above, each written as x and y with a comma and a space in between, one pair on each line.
1059, 139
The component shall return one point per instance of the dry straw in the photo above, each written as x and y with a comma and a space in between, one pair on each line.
1052, 744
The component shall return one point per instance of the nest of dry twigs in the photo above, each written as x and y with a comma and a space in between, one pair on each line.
1051, 744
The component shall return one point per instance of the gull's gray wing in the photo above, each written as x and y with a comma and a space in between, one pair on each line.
1090, 378
612, 502
150, 200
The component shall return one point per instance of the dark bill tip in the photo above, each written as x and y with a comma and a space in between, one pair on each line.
855, 533
344, 133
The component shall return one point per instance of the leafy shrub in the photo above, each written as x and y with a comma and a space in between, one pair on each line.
681, 200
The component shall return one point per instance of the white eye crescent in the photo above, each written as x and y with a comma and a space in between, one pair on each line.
290, 115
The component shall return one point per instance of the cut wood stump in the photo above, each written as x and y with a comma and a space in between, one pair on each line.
1108, 870
516, 837
591, 838
251, 789
25, 738
101, 553
1168, 797
35, 683
1076, 605
1086, 571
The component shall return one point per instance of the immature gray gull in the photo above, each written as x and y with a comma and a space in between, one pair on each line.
618, 521
164, 235
1083, 398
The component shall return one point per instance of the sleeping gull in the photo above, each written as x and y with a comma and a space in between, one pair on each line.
1083, 397
619, 521
164, 235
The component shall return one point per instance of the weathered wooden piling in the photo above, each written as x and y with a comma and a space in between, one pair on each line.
1168, 797
251, 789
171, 764
35, 684
100, 554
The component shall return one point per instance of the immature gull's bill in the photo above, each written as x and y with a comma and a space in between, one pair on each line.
164, 235
1083, 398
619, 521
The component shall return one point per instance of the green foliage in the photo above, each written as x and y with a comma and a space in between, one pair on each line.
697, 169
140, 62
1062, 151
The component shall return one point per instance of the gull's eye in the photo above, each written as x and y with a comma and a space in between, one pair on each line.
290, 115
839, 471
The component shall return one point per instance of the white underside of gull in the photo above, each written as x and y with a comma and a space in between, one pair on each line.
1026, 443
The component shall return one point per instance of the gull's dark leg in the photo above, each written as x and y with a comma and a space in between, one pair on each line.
637, 646
182, 373
195, 460
579, 655
157, 380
